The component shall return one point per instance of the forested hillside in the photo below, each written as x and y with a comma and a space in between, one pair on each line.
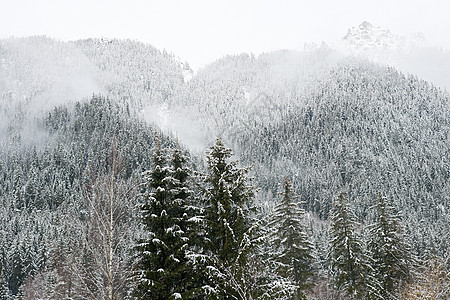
136, 73
52, 196
39, 73
367, 130
100, 198
344, 125
239, 92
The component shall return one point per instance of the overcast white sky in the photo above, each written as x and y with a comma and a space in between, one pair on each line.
201, 31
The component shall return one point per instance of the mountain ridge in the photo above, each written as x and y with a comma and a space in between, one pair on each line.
368, 36
327, 121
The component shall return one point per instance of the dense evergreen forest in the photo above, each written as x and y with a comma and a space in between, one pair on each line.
291, 175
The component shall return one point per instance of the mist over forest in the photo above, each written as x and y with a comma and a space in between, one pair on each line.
314, 174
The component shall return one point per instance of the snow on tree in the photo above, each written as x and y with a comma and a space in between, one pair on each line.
164, 270
293, 250
228, 197
338, 122
190, 222
101, 269
350, 265
393, 261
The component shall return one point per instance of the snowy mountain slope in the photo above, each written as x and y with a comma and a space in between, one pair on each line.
137, 73
255, 89
409, 53
328, 121
332, 123
39, 73
364, 120
45, 215
367, 36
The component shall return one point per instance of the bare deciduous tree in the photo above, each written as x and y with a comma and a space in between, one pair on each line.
102, 269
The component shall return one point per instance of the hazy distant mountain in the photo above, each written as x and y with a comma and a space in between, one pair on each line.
366, 37
409, 53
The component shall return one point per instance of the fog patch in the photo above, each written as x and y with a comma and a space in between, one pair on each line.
177, 124
38, 74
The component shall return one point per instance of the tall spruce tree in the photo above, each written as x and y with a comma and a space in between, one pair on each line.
393, 261
228, 196
351, 267
192, 281
294, 251
163, 266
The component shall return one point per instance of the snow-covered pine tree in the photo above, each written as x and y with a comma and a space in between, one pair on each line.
350, 265
189, 220
163, 269
393, 260
228, 197
294, 251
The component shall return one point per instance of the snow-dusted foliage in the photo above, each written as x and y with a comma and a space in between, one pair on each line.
257, 90
292, 248
368, 128
228, 197
55, 201
164, 268
39, 73
329, 122
351, 266
394, 263
136, 73
433, 282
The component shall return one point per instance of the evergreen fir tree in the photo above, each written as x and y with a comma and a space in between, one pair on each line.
350, 264
163, 268
228, 197
192, 279
393, 261
294, 258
